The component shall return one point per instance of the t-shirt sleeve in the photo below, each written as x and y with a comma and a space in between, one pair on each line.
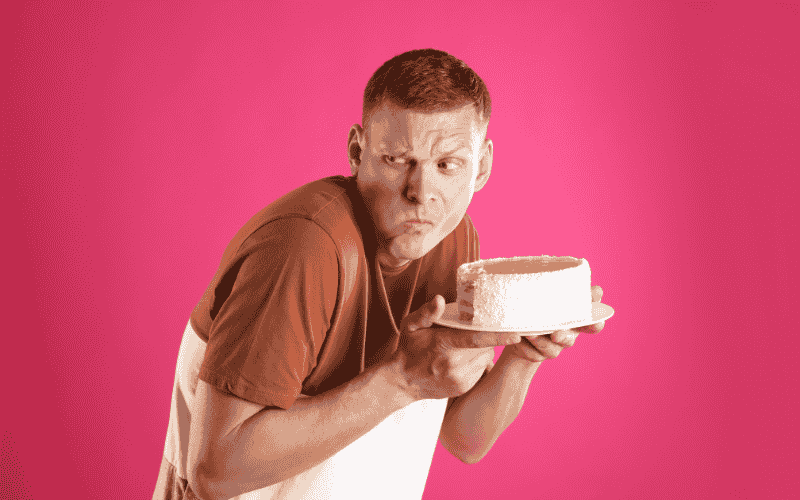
268, 328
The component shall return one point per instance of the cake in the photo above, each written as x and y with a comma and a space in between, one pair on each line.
534, 293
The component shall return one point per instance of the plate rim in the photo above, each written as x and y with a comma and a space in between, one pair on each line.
600, 312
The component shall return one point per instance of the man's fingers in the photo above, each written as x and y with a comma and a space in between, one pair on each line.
565, 338
597, 294
490, 339
529, 351
470, 339
594, 328
427, 314
545, 345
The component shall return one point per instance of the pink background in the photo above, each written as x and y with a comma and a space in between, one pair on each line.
657, 140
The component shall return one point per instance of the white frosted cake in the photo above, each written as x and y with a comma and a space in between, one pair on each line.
525, 292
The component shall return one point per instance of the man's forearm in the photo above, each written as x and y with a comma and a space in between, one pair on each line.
274, 445
476, 419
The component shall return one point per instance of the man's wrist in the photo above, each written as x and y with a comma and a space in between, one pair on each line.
395, 379
515, 359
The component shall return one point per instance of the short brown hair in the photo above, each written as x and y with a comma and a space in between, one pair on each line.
428, 80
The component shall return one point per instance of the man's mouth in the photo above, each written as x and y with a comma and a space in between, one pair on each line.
417, 224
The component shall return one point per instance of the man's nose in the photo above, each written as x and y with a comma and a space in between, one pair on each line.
421, 188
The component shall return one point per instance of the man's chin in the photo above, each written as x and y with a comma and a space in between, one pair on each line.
410, 250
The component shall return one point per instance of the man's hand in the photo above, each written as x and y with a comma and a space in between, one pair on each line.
439, 362
541, 347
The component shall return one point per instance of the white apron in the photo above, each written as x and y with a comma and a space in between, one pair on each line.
389, 462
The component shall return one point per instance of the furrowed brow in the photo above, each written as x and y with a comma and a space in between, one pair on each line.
456, 150
455, 142
395, 150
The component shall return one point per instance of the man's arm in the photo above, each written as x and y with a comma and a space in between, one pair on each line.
237, 446
475, 420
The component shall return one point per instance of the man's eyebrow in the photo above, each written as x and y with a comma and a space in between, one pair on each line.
458, 147
457, 140
397, 149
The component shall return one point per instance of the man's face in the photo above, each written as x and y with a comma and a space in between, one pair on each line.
417, 173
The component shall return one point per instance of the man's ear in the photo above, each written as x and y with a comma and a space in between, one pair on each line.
355, 147
484, 165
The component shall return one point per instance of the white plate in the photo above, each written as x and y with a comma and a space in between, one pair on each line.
600, 312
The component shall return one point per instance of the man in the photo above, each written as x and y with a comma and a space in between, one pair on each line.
311, 367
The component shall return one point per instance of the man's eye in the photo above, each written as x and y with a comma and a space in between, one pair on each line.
448, 165
393, 159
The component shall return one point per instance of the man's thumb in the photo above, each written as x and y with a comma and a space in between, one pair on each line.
427, 314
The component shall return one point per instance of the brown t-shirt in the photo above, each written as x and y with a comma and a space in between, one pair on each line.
299, 303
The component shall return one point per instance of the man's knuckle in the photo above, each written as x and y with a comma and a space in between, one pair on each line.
439, 368
446, 364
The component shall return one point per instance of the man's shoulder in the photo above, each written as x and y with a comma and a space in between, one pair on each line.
313, 200
325, 202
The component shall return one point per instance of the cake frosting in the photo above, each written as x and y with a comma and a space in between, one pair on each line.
536, 293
